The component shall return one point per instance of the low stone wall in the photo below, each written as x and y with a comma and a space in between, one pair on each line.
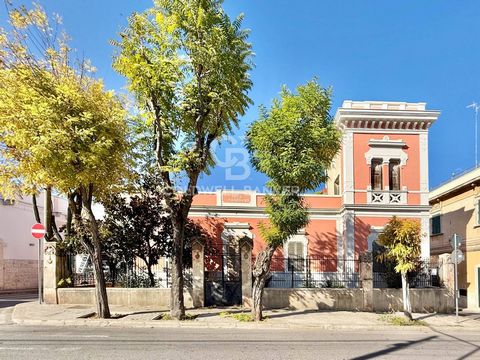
314, 299
132, 297
423, 300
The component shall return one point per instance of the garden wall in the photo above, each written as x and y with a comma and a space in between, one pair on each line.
132, 297
423, 300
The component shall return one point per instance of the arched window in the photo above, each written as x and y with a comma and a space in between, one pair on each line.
376, 174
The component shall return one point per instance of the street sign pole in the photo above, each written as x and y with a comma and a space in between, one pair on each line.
38, 232
40, 271
455, 242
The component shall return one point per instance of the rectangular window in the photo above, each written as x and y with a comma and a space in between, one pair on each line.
394, 175
436, 225
376, 174
336, 186
295, 256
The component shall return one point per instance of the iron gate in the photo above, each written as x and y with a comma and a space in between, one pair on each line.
223, 282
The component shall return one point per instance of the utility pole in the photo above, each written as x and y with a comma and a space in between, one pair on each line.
475, 107
457, 258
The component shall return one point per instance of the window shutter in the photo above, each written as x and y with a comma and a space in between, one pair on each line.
436, 225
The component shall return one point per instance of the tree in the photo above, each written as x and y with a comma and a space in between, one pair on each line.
188, 65
294, 144
139, 226
59, 128
402, 238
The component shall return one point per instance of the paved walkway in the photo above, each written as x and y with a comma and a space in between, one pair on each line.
35, 314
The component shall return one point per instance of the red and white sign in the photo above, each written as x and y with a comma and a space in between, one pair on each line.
38, 231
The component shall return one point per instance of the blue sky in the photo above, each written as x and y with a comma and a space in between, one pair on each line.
426, 51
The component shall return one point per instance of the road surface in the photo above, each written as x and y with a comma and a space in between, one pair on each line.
34, 342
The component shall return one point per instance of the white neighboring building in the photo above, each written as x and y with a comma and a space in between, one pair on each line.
18, 249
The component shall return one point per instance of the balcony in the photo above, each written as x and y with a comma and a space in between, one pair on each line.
387, 197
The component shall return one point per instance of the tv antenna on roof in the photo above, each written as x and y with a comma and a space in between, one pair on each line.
476, 107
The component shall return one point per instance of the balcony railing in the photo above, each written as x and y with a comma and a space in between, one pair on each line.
387, 197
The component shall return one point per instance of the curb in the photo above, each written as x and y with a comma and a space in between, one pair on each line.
234, 325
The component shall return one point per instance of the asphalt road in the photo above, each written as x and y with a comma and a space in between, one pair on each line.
22, 342
8, 300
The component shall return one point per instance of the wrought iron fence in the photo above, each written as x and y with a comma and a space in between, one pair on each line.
385, 276
313, 272
134, 274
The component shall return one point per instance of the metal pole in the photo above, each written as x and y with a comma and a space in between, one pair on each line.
40, 271
455, 242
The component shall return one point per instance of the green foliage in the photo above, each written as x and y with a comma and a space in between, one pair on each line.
401, 321
293, 144
402, 240
65, 282
287, 215
242, 317
188, 65
58, 125
295, 141
187, 317
139, 225
334, 284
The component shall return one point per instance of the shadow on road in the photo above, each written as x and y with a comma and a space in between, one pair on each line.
467, 355
394, 347
8, 300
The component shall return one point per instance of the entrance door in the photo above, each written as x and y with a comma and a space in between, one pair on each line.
223, 285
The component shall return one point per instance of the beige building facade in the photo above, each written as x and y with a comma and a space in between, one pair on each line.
455, 208
18, 249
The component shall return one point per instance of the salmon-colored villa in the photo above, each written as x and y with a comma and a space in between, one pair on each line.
381, 171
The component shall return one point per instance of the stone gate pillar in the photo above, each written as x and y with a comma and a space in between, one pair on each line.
447, 278
52, 268
198, 272
446, 271
246, 246
366, 279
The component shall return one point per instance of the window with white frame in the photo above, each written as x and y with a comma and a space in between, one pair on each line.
394, 174
296, 253
376, 175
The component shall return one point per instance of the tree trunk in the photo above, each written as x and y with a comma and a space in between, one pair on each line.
177, 307
407, 307
48, 214
150, 274
261, 271
35, 209
103, 310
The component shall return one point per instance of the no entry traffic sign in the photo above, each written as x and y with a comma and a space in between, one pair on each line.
38, 231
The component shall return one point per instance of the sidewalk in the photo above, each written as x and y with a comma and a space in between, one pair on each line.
77, 315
